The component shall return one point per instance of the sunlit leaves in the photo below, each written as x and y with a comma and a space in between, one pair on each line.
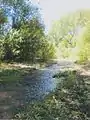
64, 32
83, 44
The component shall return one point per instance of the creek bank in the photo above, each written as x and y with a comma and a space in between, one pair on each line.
67, 101
34, 86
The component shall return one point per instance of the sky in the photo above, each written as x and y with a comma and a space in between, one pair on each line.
53, 9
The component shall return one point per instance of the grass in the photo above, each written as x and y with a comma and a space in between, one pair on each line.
11, 87
67, 102
11, 73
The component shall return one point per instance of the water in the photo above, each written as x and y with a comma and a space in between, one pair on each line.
34, 87
41, 82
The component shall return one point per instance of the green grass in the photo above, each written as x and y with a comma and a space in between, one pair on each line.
67, 102
9, 73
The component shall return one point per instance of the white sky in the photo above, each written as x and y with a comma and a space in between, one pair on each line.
53, 9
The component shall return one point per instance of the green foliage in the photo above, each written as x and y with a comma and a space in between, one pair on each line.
10, 45
26, 40
1, 49
64, 32
66, 103
3, 18
12, 74
66, 28
21, 11
83, 44
32, 34
47, 50
27, 44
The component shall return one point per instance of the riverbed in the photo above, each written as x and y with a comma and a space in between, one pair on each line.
33, 87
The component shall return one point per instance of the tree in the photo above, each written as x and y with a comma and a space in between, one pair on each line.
68, 26
19, 11
25, 40
83, 44
32, 33
66, 30
3, 19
